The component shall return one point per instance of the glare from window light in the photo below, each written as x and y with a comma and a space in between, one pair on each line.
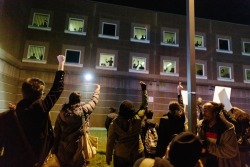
88, 77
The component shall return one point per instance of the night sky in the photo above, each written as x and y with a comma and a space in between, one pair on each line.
236, 11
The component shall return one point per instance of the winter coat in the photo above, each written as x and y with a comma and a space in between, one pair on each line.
168, 126
124, 135
35, 121
68, 129
226, 149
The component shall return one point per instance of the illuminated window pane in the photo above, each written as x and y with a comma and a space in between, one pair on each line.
106, 60
247, 73
199, 69
139, 63
169, 37
223, 44
247, 47
225, 72
169, 66
76, 25
40, 20
36, 52
109, 29
140, 33
73, 56
198, 41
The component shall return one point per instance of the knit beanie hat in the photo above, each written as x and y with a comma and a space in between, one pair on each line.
126, 109
185, 148
149, 162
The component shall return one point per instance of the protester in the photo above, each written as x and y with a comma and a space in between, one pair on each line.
33, 112
170, 124
124, 133
218, 136
179, 96
110, 117
185, 149
199, 109
150, 126
243, 134
69, 128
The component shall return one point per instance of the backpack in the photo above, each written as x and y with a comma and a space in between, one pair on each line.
151, 140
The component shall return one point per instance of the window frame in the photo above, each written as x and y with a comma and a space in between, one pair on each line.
229, 43
106, 53
135, 26
225, 65
203, 37
116, 23
28, 45
49, 19
164, 59
140, 56
81, 49
170, 30
204, 67
79, 18
243, 48
66, 55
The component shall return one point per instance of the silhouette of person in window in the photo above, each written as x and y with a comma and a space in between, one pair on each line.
136, 37
41, 57
110, 61
141, 67
45, 23
143, 37
33, 56
136, 65
166, 69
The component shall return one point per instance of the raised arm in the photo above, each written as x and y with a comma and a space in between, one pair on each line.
57, 87
90, 106
144, 105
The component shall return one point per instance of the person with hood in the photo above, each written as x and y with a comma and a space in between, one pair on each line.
170, 124
124, 133
219, 137
69, 127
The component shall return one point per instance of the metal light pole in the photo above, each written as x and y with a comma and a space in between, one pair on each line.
191, 80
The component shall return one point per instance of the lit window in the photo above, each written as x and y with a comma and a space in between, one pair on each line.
225, 72
35, 52
140, 33
199, 68
73, 56
106, 60
139, 63
76, 25
169, 66
40, 21
169, 37
198, 41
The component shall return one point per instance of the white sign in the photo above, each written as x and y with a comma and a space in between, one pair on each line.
184, 97
222, 95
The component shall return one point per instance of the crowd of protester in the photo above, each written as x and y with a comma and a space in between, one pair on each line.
222, 138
